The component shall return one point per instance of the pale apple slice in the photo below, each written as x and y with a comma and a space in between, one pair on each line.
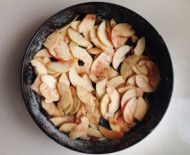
122, 29
94, 133
39, 67
83, 55
119, 55
143, 82
60, 67
50, 108
118, 124
94, 118
131, 80
110, 134
52, 40
42, 53
101, 88
116, 81
123, 89
49, 80
63, 88
102, 35
64, 79
141, 109
115, 99
129, 110
93, 32
111, 73
78, 38
85, 76
77, 80
36, 85
93, 77
43, 60
119, 41
48, 92
80, 113
67, 127
104, 106
57, 121
142, 67
87, 23
75, 24
95, 50
140, 47
87, 36
81, 129
133, 92
112, 23
98, 44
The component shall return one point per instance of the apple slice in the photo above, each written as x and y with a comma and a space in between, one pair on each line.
49, 80
36, 85
110, 133
115, 99
57, 121
78, 38
50, 108
119, 55
67, 127
94, 133
81, 129
52, 40
60, 67
42, 53
87, 23
75, 24
64, 79
134, 38
94, 118
104, 106
77, 80
87, 36
141, 109
98, 44
80, 113
116, 81
133, 92
123, 89
118, 124
140, 47
111, 73
123, 30
95, 50
93, 32
131, 80
119, 41
43, 60
129, 110
102, 35
83, 55
112, 23
101, 88
143, 82
85, 76
39, 67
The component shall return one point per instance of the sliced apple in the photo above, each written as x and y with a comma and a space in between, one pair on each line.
82, 54
39, 67
80, 113
123, 30
118, 124
48, 92
129, 110
112, 23
104, 106
77, 80
57, 121
123, 89
63, 89
93, 32
67, 127
141, 109
110, 133
87, 36
52, 40
94, 118
134, 38
94, 133
78, 38
50, 108
143, 82
140, 47
116, 81
102, 35
42, 53
95, 50
60, 67
119, 55
101, 88
43, 60
98, 44
112, 73
81, 129
131, 80
64, 79
119, 41
75, 24
142, 68
85, 76
93, 77
36, 85
49, 80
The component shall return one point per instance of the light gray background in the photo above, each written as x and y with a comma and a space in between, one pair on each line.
19, 19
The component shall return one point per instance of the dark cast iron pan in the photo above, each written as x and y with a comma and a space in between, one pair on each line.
155, 48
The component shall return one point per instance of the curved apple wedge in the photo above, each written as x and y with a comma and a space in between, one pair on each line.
67, 127
50, 108
101, 88
49, 80
116, 81
39, 67
57, 121
118, 124
75, 24
104, 106
60, 67
122, 29
140, 47
94, 133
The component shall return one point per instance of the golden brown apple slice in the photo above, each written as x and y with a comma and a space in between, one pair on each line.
112, 23
94, 133
110, 133
87, 23
95, 50
101, 88
36, 85
78, 38
102, 34
129, 110
60, 67
119, 55
64, 79
81, 129
131, 80
39, 67
77, 80
116, 81
123, 89
67, 127
75, 24
42, 53
140, 47
122, 29
118, 124
49, 80
57, 121
141, 109
50, 108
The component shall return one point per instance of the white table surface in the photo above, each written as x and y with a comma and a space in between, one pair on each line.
19, 20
